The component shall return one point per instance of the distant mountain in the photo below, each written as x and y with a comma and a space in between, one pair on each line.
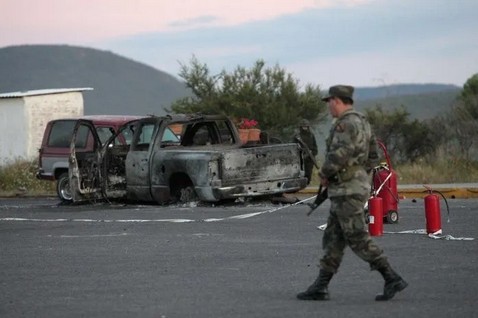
422, 101
124, 86
121, 85
388, 91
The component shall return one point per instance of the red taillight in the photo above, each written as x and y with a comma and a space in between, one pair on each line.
40, 151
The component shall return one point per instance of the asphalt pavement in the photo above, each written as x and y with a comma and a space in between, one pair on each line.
241, 260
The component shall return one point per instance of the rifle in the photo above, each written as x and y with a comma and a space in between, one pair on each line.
322, 195
307, 150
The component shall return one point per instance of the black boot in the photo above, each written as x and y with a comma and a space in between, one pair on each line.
318, 290
393, 283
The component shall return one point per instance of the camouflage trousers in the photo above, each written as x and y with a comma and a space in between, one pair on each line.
308, 168
346, 227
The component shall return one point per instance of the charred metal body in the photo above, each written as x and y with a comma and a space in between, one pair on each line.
205, 161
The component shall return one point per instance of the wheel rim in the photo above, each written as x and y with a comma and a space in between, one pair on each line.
65, 191
393, 216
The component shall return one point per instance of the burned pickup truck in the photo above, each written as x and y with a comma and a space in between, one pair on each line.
203, 161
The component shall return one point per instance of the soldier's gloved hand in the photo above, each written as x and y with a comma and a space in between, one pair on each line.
312, 206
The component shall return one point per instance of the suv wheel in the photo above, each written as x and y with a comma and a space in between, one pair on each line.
63, 187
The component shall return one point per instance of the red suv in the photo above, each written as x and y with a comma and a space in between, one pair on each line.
55, 148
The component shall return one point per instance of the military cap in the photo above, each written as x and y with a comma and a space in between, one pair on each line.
340, 91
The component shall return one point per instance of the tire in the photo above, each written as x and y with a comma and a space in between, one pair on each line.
392, 217
63, 187
188, 194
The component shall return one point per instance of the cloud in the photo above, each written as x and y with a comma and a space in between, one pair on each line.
87, 21
376, 69
195, 22
320, 41
371, 44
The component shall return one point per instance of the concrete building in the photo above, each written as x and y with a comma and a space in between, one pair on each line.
24, 115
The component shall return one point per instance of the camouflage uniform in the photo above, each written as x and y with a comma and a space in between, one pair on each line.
309, 139
351, 153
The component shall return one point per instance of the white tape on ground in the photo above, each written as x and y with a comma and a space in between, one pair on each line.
450, 238
437, 235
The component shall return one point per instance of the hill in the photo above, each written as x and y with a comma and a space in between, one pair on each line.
124, 86
422, 101
121, 85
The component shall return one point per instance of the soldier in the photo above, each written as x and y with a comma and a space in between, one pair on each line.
308, 138
351, 154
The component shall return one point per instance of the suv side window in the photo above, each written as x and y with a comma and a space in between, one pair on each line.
61, 133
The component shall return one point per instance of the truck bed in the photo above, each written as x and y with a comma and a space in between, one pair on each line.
263, 163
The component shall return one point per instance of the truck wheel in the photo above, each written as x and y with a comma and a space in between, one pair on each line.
187, 194
63, 187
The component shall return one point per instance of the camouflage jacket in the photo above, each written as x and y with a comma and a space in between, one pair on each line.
309, 139
352, 152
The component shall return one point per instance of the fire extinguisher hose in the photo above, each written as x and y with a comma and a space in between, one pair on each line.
430, 190
377, 191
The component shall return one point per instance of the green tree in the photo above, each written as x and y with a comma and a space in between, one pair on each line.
406, 140
470, 89
417, 140
463, 120
387, 127
450, 135
269, 95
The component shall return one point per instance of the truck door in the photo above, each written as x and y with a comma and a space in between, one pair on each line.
97, 167
138, 178
84, 167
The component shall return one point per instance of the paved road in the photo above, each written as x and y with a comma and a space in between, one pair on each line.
247, 260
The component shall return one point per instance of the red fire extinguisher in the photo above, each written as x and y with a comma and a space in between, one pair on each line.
384, 185
375, 218
432, 211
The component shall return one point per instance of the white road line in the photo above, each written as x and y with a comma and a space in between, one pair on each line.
235, 217
93, 235
99, 221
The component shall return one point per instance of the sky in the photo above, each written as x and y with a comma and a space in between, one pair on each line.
320, 42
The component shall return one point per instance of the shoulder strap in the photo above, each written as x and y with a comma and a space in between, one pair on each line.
350, 112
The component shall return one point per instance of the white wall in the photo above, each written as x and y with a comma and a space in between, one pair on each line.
23, 121
43, 108
13, 130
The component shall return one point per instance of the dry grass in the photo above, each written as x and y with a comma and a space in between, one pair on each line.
18, 178
437, 172
440, 171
